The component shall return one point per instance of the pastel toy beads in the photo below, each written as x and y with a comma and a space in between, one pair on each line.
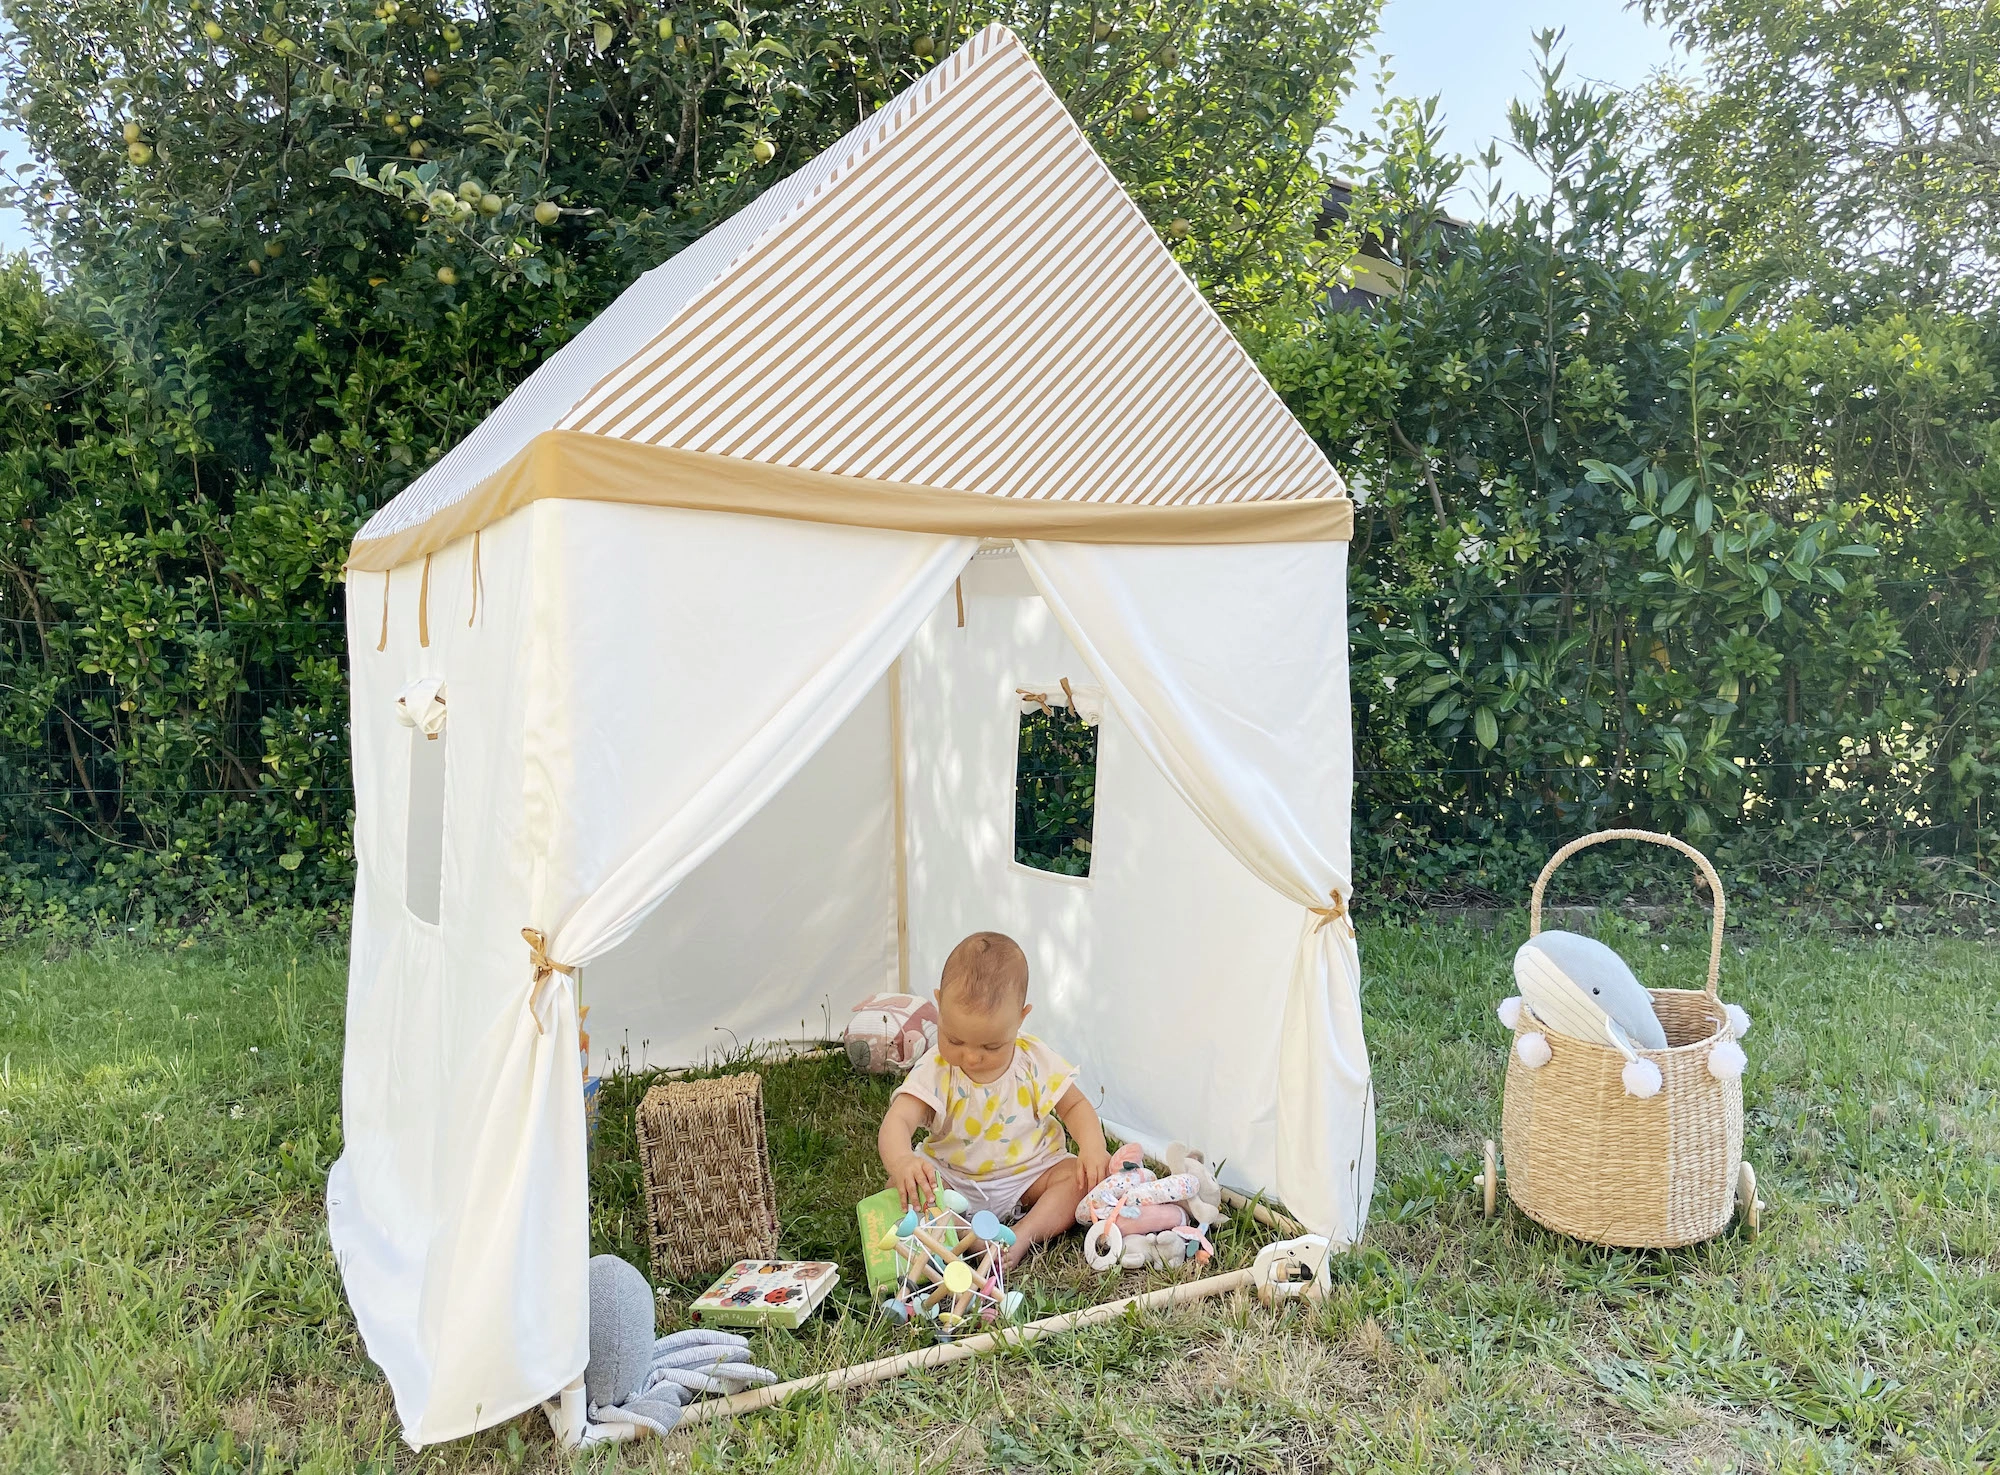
950, 1268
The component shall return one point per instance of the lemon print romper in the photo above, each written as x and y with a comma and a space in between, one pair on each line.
992, 1141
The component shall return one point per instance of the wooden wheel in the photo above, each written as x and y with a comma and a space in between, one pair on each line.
1748, 1204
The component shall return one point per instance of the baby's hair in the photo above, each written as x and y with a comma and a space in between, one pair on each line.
985, 972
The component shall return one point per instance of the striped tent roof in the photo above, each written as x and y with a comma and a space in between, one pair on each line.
956, 295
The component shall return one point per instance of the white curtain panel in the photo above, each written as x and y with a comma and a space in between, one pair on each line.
686, 667
682, 666
1230, 666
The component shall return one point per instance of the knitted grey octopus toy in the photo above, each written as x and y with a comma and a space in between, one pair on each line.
636, 1380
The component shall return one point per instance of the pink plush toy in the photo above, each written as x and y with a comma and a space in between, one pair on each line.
1137, 1218
891, 1032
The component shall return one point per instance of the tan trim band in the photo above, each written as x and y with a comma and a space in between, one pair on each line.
598, 468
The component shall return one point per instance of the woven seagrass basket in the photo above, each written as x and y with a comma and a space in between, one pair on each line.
1588, 1160
709, 1199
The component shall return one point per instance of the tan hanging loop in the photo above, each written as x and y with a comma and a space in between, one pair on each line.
383, 643
1335, 912
958, 588
475, 581
1070, 696
545, 969
424, 606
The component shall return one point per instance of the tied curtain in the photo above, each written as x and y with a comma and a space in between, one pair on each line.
681, 669
1229, 664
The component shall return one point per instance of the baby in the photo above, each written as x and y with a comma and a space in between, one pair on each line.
996, 1102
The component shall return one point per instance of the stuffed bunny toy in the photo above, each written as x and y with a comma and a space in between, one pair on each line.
1140, 1220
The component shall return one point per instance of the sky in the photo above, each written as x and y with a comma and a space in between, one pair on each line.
1478, 55
1475, 54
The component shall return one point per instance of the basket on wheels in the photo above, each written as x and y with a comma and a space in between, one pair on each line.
1588, 1160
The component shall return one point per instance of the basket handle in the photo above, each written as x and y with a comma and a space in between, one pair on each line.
1656, 838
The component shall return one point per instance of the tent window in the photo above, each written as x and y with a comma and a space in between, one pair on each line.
423, 849
1055, 791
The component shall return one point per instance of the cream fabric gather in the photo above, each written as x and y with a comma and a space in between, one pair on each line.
421, 705
1237, 712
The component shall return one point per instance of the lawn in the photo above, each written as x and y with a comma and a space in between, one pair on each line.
168, 1302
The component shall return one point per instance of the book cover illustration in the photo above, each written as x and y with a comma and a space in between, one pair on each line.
766, 1293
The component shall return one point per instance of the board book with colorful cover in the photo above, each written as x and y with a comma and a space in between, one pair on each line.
878, 1214
765, 1293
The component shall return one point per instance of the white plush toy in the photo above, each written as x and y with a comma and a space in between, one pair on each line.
1577, 986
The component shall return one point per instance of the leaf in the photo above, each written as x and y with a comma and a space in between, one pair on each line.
1772, 605
291, 860
1486, 727
1834, 577
1677, 498
1858, 550
1704, 513
1603, 472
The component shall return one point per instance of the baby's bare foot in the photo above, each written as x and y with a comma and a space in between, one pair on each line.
1015, 1253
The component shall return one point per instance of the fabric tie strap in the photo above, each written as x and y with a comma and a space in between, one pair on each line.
1336, 911
546, 968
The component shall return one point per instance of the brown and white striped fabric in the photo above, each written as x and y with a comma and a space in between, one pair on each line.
957, 295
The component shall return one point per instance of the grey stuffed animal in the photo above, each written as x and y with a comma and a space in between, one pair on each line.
1578, 987
633, 1378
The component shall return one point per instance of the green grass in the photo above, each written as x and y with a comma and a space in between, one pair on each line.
168, 1303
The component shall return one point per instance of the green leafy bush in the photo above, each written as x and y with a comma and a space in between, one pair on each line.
307, 244
1633, 554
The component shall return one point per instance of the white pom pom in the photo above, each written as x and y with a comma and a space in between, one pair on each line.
1533, 1048
1641, 1077
1739, 1022
1726, 1061
1510, 1011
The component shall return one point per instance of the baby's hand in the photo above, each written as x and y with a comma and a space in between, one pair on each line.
914, 1180
1094, 1163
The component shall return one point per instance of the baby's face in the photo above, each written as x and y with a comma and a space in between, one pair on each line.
978, 1042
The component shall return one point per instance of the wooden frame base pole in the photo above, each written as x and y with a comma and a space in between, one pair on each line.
1263, 1213
949, 1352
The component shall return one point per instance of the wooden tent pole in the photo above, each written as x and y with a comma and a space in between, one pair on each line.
898, 818
949, 1352
1263, 1213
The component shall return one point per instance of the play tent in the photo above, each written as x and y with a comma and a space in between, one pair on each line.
690, 684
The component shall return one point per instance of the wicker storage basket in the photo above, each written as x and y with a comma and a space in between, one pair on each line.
1588, 1160
709, 1200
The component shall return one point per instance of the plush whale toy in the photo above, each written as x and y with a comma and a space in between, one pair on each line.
1577, 986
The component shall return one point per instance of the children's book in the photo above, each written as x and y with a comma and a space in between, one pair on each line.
765, 1293
877, 1215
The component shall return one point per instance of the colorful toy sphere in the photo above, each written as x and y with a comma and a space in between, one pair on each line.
951, 1269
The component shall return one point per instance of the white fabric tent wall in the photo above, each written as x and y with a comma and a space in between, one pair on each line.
434, 1011
1231, 665
1162, 976
776, 935
600, 771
